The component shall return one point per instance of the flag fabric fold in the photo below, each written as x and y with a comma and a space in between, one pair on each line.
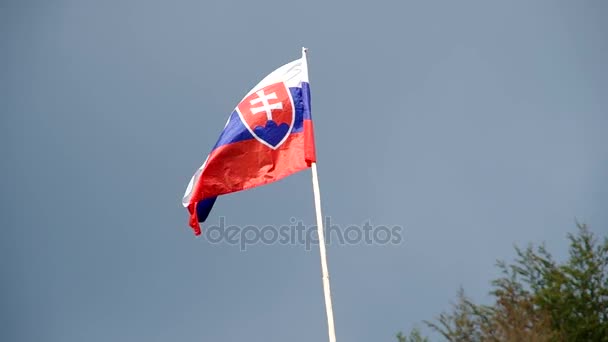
268, 136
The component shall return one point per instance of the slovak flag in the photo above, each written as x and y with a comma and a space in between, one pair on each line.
268, 136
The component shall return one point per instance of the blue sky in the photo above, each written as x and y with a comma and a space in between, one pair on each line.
474, 125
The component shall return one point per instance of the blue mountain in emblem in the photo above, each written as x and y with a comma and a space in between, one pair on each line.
272, 134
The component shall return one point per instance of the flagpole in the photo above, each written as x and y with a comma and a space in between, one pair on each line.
324, 270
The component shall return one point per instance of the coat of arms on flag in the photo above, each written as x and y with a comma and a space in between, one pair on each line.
268, 114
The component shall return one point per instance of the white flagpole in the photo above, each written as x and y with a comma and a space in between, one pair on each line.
324, 270
320, 231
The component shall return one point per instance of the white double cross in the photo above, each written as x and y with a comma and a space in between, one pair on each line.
266, 106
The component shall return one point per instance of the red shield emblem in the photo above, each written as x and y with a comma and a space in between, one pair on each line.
268, 113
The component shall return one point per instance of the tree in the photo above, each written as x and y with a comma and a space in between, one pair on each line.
538, 299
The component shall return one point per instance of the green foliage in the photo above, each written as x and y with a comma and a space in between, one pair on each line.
573, 294
538, 299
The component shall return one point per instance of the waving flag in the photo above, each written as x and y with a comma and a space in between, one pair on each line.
268, 136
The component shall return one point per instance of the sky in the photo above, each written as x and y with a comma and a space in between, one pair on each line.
473, 125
